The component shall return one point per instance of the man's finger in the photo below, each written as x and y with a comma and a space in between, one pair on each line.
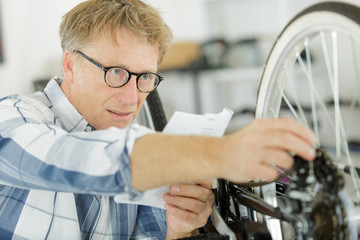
199, 192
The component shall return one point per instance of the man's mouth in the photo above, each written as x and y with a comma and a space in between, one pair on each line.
120, 114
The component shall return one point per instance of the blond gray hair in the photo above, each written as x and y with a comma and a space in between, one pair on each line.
90, 19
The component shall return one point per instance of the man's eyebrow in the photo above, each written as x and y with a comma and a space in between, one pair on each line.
129, 69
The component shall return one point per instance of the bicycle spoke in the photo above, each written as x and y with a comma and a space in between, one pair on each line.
357, 77
290, 107
336, 93
290, 82
324, 108
327, 59
308, 74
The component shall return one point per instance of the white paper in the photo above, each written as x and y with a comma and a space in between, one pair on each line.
183, 124
192, 124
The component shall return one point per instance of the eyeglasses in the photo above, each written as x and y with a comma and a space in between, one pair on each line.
117, 77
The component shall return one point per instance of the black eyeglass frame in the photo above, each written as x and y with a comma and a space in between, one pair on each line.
106, 69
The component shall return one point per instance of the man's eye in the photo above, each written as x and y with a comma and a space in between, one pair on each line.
116, 71
145, 76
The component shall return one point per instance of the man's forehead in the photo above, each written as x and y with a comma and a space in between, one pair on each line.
123, 50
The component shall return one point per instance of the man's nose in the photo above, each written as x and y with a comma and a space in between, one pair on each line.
129, 92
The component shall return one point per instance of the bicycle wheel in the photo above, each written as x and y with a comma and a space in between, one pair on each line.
313, 75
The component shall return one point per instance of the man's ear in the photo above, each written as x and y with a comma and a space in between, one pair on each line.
68, 64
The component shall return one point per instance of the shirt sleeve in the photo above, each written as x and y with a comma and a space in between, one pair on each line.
36, 153
150, 223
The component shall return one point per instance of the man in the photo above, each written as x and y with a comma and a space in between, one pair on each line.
67, 151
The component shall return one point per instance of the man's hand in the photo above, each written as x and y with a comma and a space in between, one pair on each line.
252, 152
188, 208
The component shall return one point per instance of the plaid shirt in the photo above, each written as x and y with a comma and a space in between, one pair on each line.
58, 178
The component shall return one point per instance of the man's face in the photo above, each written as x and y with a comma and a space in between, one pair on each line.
101, 105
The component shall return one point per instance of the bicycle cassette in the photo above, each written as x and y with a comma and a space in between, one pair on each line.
313, 198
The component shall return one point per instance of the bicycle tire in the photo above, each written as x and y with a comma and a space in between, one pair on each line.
328, 17
156, 111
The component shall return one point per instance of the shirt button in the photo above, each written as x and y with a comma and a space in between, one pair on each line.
88, 129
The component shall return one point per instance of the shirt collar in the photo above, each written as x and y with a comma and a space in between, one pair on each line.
71, 120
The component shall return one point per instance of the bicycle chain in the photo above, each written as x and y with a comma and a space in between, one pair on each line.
322, 214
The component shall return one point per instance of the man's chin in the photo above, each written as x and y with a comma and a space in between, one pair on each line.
118, 124
101, 125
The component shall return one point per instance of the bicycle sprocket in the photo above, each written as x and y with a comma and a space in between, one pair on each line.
321, 214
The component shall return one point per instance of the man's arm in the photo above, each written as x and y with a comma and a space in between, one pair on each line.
251, 153
159, 159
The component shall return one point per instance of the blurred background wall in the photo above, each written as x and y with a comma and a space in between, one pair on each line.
31, 48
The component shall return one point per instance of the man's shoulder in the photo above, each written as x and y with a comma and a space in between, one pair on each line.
30, 105
24, 100
9, 98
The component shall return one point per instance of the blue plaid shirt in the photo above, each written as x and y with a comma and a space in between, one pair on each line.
58, 178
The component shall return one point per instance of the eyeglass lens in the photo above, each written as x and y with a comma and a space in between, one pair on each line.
117, 77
